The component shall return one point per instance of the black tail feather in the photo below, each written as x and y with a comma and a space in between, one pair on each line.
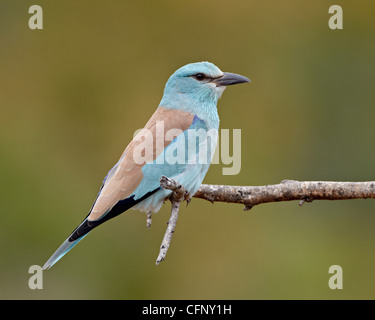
86, 226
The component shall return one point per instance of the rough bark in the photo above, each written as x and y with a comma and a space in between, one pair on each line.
287, 190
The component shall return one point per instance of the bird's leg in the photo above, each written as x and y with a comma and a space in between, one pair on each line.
148, 219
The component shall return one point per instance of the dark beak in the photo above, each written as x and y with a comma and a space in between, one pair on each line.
230, 78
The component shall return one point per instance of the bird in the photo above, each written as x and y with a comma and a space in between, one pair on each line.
189, 104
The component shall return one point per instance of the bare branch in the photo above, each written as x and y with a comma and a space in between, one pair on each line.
178, 195
287, 190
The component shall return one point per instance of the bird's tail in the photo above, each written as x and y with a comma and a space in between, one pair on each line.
77, 235
86, 226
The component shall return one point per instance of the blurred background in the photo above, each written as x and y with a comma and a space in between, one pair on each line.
72, 95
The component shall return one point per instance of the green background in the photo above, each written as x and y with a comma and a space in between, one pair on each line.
72, 94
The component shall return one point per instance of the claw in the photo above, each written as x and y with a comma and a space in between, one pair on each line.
148, 219
187, 198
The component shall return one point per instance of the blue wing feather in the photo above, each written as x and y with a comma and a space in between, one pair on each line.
189, 172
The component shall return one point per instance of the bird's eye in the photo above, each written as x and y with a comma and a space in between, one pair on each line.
199, 76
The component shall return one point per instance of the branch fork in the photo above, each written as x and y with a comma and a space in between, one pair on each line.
249, 196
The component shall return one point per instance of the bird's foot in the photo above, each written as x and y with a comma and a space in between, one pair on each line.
148, 219
187, 198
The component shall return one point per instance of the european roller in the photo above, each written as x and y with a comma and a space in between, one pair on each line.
162, 148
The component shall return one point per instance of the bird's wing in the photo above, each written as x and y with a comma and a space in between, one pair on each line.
186, 160
124, 178
117, 193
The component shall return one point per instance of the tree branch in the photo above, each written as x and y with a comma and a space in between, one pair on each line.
176, 197
287, 190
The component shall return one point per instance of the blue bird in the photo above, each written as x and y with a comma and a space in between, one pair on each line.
178, 142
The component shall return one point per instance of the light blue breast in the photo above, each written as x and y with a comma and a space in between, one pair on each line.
197, 150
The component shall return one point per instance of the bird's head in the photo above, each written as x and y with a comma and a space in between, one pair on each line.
197, 84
